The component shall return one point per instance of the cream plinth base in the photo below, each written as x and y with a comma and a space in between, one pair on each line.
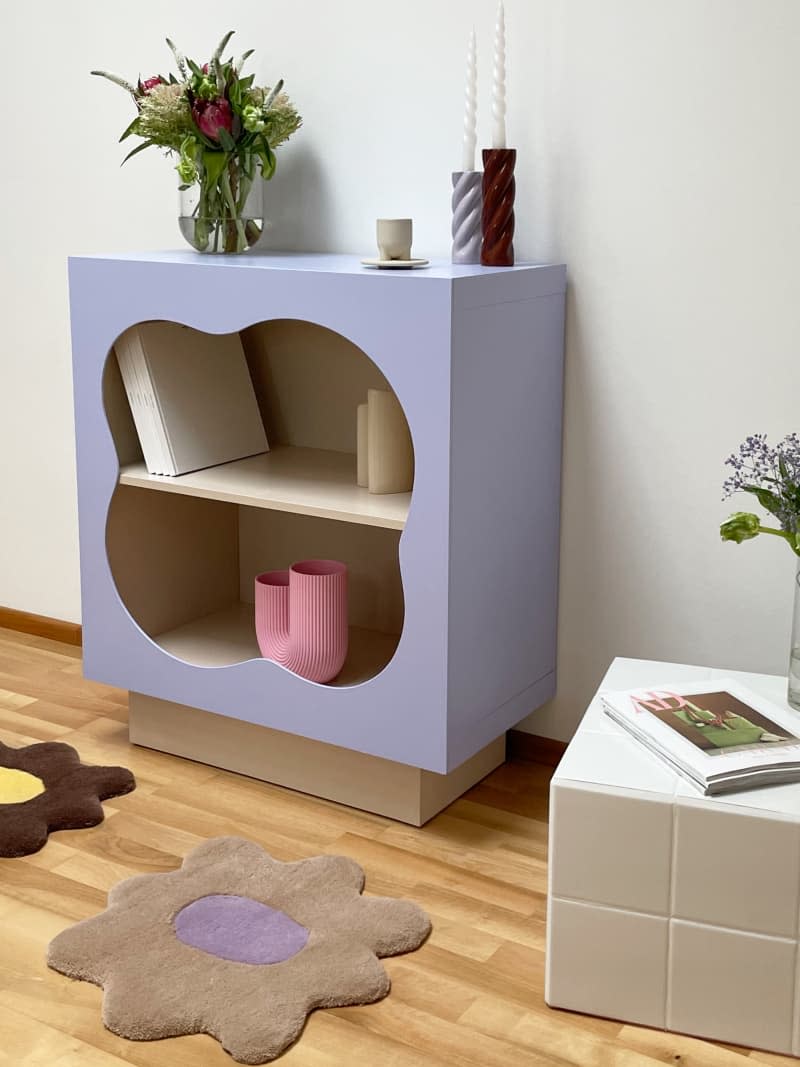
370, 783
667, 908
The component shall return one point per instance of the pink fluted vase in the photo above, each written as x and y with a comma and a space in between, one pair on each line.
301, 618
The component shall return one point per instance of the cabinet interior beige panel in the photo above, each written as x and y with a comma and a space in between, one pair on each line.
309, 382
173, 558
272, 540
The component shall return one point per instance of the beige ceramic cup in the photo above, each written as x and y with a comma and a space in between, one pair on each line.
394, 238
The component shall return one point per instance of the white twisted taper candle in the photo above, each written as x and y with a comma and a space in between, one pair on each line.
499, 82
471, 106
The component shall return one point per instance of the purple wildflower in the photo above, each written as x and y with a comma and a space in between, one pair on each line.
772, 474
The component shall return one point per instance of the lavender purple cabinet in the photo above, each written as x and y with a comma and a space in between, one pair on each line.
454, 586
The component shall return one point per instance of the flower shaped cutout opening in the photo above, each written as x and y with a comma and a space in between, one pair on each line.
45, 787
238, 945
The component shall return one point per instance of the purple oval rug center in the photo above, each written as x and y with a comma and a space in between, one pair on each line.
239, 929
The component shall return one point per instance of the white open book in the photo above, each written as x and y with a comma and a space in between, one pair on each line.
718, 735
191, 397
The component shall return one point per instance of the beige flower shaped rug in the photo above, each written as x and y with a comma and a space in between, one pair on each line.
45, 787
238, 945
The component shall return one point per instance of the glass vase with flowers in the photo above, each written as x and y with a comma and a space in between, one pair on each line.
223, 130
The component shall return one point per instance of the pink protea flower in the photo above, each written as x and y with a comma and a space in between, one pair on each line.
150, 83
212, 115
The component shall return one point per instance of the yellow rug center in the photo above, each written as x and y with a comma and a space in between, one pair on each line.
18, 786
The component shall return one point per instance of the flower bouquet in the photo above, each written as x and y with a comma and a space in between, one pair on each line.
772, 476
223, 130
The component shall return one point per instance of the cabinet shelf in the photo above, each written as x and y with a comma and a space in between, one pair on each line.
228, 636
306, 481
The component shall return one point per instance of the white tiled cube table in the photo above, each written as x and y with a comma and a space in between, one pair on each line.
665, 907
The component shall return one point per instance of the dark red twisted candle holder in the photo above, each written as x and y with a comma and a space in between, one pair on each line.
497, 219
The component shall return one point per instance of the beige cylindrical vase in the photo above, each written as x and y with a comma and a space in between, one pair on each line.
362, 447
390, 457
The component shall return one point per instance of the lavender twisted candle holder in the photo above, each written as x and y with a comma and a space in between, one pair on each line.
466, 227
497, 219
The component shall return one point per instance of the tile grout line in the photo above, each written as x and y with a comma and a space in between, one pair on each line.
585, 902
719, 927
670, 914
552, 802
795, 1010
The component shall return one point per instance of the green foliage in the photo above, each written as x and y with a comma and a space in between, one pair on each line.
135, 151
267, 157
132, 128
214, 164
766, 498
225, 139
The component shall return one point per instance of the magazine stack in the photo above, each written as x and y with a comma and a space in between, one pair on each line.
719, 736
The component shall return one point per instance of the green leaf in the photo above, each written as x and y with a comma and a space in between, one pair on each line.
765, 498
267, 157
782, 468
193, 67
130, 129
214, 163
226, 140
135, 151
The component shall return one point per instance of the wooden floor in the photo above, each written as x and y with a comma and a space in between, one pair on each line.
472, 996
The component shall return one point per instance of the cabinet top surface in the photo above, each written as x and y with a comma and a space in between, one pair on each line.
321, 262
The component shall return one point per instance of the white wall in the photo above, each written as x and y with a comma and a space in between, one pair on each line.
657, 156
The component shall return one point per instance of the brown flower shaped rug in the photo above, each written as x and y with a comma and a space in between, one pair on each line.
45, 787
238, 945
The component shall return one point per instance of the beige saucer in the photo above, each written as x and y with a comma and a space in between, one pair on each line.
395, 264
